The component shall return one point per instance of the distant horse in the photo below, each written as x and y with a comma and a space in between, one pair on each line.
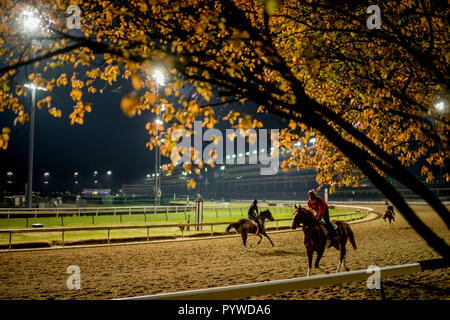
246, 226
388, 214
315, 237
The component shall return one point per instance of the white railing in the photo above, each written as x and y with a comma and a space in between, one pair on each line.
276, 286
95, 210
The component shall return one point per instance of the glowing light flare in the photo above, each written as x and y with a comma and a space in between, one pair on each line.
158, 75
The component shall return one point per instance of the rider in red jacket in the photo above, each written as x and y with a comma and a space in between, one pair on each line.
319, 205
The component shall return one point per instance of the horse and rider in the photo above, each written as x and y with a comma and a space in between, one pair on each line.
389, 214
254, 224
316, 238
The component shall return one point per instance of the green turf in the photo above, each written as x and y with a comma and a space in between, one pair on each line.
209, 215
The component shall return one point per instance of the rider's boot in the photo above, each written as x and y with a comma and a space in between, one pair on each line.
332, 235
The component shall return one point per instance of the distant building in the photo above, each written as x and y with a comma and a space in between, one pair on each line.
144, 189
96, 192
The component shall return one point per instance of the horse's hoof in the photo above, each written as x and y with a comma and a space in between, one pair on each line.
347, 269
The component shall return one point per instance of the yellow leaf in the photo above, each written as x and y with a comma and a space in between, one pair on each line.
136, 82
191, 184
129, 105
76, 94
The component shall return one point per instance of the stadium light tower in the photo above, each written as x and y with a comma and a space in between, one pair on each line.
440, 106
160, 80
29, 190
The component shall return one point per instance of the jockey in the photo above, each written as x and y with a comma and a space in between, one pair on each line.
390, 207
252, 216
319, 205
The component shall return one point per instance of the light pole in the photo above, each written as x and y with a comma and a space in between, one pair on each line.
159, 77
31, 25
441, 108
46, 175
31, 142
109, 173
75, 176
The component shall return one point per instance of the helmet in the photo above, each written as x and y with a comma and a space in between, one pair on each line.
255, 201
312, 193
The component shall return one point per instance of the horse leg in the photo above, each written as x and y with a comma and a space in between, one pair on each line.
342, 252
260, 238
244, 239
310, 256
265, 234
319, 256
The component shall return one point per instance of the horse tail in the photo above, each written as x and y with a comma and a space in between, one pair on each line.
233, 225
351, 237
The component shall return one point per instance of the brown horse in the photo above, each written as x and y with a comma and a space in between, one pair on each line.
315, 237
246, 226
388, 214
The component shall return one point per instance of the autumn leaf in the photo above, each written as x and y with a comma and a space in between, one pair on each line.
191, 184
129, 105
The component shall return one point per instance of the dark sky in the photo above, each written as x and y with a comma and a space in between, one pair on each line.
108, 140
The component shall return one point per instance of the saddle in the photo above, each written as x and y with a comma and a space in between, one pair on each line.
257, 227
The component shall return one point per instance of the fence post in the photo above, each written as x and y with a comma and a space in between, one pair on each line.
199, 212
184, 213
92, 219
211, 230
27, 221
97, 212
242, 214
62, 238
120, 214
167, 212
129, 212
79, 212
10, 240
62, 221
217, 214
108, 235
115, 210
229, 211
148, 233
145, 217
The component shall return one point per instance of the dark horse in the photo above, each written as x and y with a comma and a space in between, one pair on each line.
246, 226
388, 214
315, 237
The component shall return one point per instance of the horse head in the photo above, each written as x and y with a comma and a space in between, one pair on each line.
297, 217
266, 214
300, 216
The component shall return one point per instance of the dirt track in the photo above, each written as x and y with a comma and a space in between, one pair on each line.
132, 270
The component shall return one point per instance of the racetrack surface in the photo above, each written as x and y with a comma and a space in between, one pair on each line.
133, 270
